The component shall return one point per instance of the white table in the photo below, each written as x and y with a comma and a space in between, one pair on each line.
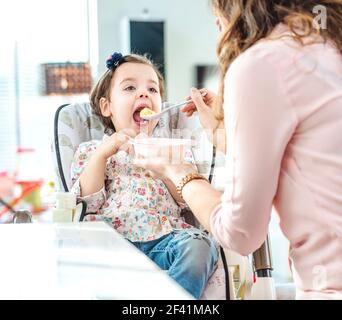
88, 260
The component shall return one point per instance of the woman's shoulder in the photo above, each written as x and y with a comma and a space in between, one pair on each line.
267, 50
281, 48
266, 57
251, 65
281, 39
262, 66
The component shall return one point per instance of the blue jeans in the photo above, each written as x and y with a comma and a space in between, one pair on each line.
188, 255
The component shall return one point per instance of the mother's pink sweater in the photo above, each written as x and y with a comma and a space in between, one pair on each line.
283, 116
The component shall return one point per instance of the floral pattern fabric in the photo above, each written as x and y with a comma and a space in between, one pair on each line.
138, 206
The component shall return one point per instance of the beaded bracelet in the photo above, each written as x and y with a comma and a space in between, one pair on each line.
186, 179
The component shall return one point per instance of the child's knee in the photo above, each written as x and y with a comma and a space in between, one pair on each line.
198, 244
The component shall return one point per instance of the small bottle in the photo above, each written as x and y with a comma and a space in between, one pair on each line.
65, 207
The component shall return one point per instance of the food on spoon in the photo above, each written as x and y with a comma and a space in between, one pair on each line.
146, 112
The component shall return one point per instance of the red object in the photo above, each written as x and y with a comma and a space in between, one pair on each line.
22, 150
27, 187
6, 185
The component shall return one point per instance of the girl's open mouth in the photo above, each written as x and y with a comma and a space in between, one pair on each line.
137, 118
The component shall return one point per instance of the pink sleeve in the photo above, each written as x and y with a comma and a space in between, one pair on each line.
260, 121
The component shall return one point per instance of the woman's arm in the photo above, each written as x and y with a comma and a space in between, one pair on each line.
260, 121
202, 198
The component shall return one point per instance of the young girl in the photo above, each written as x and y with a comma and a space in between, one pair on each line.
143, 209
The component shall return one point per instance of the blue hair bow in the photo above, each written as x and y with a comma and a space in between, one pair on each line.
114, 60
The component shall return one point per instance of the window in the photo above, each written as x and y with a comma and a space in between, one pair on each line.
38, 32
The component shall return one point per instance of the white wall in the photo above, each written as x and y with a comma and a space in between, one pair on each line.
191, 36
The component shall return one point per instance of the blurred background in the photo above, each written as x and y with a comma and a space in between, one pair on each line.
53, 51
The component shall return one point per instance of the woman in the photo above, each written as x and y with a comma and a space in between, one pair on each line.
281, 97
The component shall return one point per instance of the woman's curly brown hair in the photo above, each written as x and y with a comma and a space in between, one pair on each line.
251, 20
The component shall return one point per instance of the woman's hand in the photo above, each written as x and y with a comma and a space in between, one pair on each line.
200, 196
114, 143
204, 107
170, 174
214, 128
164, 171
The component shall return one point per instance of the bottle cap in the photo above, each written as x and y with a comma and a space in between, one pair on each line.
22, 216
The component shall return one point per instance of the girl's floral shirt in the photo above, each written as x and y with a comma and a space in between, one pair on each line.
138, 206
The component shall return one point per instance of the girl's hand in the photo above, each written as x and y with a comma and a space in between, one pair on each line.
114, 143
204, 107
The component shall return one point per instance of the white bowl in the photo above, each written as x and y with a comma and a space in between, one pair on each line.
170, 150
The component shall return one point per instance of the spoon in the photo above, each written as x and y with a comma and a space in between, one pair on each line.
148, 114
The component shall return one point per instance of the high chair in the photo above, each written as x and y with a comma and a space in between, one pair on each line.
236, 277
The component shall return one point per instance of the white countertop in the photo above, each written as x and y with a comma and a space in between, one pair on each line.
87, 260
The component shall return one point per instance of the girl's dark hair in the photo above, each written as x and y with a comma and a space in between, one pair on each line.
103, 87
251, 20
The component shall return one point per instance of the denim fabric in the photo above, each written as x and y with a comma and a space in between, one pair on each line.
188, 255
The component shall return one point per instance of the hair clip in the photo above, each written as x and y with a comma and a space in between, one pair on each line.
114, 60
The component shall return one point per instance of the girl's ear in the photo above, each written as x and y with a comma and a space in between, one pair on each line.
105, 107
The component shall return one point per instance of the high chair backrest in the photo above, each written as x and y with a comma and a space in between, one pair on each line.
73, 124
